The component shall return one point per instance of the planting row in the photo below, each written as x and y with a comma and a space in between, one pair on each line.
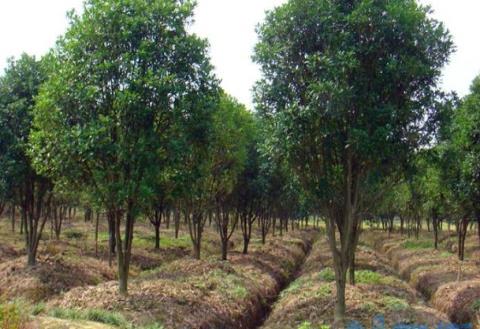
188, 293
450, 285
378, 295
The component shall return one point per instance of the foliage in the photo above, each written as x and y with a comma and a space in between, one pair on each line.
12, 315
327, 274
94, 315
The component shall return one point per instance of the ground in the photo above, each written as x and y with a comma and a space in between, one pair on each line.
286, 283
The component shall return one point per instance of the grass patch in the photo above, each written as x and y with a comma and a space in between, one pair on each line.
476, 305
294, 287
445, 254
74, 235
368, 277
395, 304
418, 244
228, 284
324, 291
308, 325
13, 315
327, 274
166, 241
95, 315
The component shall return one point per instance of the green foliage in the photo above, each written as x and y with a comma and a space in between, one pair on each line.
476, 305
95, 315
418, 244
305, 325
13, 315
308, 325
395, 304
368, 277
327, 274
121, 85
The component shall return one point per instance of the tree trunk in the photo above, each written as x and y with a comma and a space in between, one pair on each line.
112, 240
13, 217
157, 237
124, 249
177, 222
340, 306
97, 219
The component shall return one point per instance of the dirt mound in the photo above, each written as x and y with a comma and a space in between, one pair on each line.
204, 293
459, 300
52, 275
310, 299
428, 279
8, 252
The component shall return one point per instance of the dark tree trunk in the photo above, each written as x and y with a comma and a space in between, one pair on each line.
112, 239
124, 249
226, 226
462, 232
35, 197
156, 220
13, 214
246, 222
177, 222
97, 220
196, 223
435, 227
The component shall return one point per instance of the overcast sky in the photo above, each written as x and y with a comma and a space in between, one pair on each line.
32, 26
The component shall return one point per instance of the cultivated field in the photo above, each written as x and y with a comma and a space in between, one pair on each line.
287, 283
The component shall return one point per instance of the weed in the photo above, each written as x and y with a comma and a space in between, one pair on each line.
293, 287
476, 305
38, 308
368, 277
324, 291
327, 274
12, 315
95, 315
395, 304
418, 244
74, 235
305, 325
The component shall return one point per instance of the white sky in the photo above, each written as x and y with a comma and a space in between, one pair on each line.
32, 26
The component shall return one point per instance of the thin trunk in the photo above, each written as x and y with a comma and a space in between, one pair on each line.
97, 219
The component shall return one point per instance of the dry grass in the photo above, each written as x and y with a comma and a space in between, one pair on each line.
309, 300
205, 293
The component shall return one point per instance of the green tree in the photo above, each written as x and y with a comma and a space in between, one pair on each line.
349, 84
232, 130
121, 76
465, 147
18, 180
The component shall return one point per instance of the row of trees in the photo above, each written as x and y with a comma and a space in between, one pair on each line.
441, 183
126, 112
125, 117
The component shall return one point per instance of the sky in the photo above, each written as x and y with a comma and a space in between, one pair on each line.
32, 26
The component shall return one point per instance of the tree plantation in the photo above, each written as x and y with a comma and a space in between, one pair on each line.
135, 192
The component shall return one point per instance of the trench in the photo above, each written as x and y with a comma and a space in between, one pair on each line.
423, 298
268, 307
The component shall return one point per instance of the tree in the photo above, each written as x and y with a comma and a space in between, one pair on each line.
349, 85
18, 89
465, 148
120, 76
232, 129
